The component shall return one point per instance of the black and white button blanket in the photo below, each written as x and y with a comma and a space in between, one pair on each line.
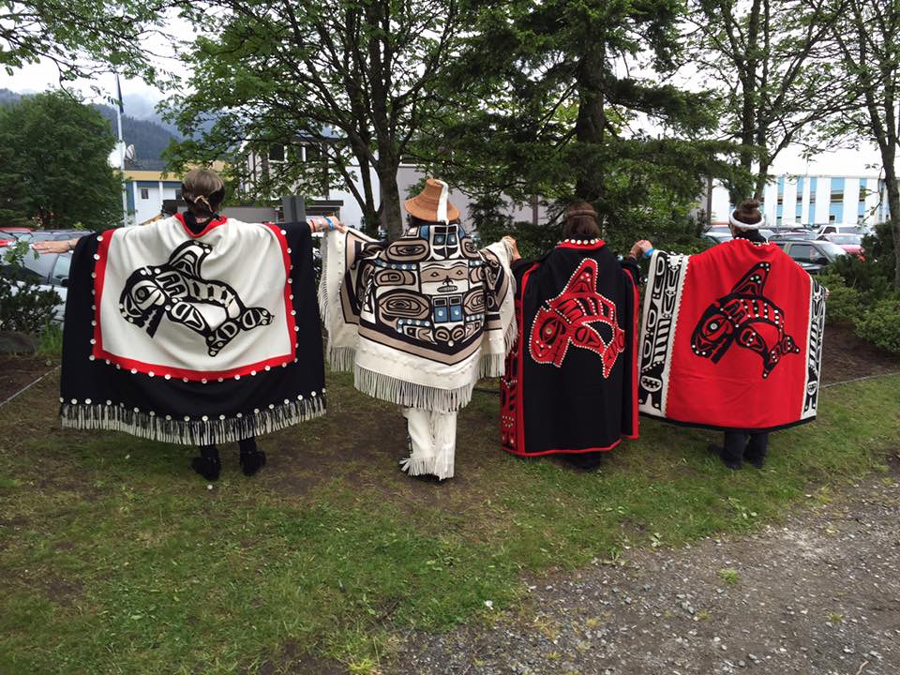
193, 338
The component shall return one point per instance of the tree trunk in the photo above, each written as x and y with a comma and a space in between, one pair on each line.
893, 191
391, 213
761, 175
591, 121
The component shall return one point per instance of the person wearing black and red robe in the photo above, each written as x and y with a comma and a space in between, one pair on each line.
570, 385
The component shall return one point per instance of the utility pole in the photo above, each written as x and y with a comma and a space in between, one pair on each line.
121, 148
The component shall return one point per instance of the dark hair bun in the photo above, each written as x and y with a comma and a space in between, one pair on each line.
750, 204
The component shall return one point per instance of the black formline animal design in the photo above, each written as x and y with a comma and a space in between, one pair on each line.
747, 317
175, 287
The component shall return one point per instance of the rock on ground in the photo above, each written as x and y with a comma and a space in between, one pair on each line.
818, 594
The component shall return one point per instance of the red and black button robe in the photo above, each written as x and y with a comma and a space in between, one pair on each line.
571, 378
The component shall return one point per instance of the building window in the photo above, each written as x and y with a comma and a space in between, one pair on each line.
813, 184
313, 153
276, 153
836, 207
798, 213
145, 193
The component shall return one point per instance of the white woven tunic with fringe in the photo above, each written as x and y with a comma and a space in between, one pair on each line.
421, 320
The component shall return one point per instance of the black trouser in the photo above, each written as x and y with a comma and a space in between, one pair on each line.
738, 447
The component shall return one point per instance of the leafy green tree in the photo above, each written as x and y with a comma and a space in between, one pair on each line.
545, 98
12, 200
866, 39
773, 60
351, 80
81, 37
58, 154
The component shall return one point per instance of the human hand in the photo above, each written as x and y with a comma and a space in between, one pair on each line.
54, 246
639, 248
512, 246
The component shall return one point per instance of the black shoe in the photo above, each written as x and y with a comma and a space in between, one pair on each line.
586, 461
208, 463
758, 462
734, 465
251, 459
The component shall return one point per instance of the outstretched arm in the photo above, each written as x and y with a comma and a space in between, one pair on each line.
325, 224
55, 246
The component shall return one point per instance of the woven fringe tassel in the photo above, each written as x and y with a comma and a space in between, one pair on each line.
341, 359
492, 365
510, 336
323, 282
417, 466
441, 466
192, 432
411, 395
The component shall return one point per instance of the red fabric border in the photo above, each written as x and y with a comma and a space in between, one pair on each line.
184, 373
210, 226
520, 392
582, 247
565, 452
635, 338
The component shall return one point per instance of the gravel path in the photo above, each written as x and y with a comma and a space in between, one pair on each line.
817, 594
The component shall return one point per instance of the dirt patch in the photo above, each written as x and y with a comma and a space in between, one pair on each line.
846, 356
17, 372
819, 593
292, 661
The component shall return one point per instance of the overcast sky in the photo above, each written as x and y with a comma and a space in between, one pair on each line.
140, 100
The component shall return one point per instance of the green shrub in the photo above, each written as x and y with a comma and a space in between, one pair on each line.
880, 324
845, 304
24, 306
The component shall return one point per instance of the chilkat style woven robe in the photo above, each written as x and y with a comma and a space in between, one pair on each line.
420, 320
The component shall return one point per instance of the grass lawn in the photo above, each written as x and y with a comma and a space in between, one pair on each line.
116, 558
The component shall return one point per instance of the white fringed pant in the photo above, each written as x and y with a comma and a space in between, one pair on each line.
433, 439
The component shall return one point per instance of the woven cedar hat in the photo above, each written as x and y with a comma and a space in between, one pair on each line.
431, 204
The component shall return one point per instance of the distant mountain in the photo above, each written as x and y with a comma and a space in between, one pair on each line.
149, 137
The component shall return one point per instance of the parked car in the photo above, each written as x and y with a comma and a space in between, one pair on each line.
9, 235
793, 235
852, 243
812, 256
713, 237
50, 271
841, 229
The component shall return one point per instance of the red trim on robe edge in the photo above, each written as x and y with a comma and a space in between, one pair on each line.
582, 247
194, 375
635, 341
520, 407
564, 452
210, 226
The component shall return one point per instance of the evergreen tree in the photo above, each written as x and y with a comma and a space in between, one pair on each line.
546, 99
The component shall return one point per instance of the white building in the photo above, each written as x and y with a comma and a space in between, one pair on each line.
842, 187
343, 204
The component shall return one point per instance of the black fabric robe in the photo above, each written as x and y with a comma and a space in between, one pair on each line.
570, 384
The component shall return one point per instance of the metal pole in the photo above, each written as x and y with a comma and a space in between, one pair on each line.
122, 154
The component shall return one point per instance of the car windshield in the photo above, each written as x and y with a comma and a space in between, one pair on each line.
832, 250
846, 239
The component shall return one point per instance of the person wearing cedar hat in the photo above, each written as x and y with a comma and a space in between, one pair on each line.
420, 320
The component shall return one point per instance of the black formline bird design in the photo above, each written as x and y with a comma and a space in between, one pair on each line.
747, 317
175, 287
